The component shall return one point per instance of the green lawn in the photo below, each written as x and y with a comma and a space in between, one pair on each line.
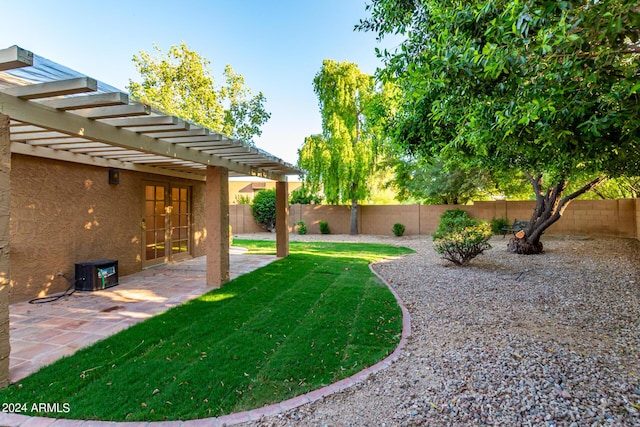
298, 324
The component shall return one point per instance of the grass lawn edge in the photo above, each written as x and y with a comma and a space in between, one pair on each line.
11, 419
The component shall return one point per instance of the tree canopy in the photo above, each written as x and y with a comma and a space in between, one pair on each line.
180, 83
549, 88
341, 159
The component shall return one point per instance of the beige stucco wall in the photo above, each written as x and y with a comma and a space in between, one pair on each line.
63, 213
618, 218
238, 189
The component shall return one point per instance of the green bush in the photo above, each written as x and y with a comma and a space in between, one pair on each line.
449, 220
303, 196
301, 227
497, 224
398, 229
324, 227
459, 238
264, 209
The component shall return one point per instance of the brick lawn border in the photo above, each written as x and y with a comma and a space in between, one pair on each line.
18, 420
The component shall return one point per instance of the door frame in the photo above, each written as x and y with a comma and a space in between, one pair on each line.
168, 225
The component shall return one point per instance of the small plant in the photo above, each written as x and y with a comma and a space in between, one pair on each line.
498, 224
324, 227
264, 209
398, 229
459, 238
301, 227
243, 199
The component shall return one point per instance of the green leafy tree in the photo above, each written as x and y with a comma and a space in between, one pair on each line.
546, 88
180, 83
344, 156
433, 180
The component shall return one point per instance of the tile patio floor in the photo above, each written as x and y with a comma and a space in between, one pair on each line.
43, 333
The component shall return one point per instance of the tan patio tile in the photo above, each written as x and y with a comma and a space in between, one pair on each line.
33, 350
23, 332
73, 324
54, 322
67, 338
41, 333
35, 320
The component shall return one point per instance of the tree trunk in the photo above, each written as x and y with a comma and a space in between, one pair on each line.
354, 217
549, 208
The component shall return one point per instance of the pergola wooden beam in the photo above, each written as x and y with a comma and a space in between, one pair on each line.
77, 146
47, 153
229, 150
132, 122
171, 135
34, 113
195, 141
114, 111
87, 101
51, 89
26, 129
15, 57
36, 136
65, 140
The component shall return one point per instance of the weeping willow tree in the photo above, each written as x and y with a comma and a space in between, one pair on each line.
341, 160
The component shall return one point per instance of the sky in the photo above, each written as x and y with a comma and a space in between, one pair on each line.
277, 45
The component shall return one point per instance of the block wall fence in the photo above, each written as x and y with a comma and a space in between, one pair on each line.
614, 218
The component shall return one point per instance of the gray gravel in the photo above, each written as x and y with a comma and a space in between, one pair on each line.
510, 340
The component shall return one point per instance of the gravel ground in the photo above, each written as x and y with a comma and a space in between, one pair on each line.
510, 340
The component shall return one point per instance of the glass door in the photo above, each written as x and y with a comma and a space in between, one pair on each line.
155, 224
166, 223
180, 222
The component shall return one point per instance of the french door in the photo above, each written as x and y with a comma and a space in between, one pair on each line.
166, 223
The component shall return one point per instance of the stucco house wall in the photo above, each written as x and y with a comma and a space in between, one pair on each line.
64, 213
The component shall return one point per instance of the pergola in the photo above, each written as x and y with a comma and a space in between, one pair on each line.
50, 111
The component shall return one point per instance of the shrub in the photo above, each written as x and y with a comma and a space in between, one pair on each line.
497, 224
450, 218
398, 229
459, 238
303, 196
324, 227
264, 209
301, 227
230, 236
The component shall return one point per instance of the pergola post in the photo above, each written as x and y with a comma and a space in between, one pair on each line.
5, 277
217, 224
282, 219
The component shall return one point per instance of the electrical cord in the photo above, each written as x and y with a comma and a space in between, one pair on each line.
56, 297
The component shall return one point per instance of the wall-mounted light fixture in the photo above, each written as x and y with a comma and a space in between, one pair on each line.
114, 176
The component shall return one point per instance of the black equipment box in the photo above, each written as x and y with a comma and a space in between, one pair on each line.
96, 275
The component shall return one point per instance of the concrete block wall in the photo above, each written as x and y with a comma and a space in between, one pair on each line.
616, 218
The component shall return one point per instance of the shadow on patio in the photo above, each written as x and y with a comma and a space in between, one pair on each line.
43, 333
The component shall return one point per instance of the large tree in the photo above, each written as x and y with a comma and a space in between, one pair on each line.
180, 83
549, 88
342, 159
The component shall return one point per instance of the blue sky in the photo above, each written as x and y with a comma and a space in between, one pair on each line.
277, 45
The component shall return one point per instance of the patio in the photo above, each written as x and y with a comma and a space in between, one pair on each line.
43, 333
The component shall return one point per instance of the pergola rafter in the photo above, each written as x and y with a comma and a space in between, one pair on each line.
74, 116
